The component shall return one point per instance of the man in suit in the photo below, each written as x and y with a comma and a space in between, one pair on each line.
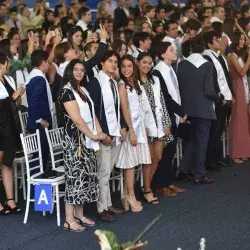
142, 43
164, 178
104, 93
40, 101
139, 8
121, 15
222, 78
195, 77
85, 18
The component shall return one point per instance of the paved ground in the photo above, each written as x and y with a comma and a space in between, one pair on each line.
219, 212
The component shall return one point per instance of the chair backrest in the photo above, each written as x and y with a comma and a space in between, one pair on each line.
55, 138
54, 118
32, 152
23, 120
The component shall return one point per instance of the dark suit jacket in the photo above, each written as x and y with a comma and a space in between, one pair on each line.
197, 90
95, 92
38, 102
172, 106
95, 60
120, 18
137, 12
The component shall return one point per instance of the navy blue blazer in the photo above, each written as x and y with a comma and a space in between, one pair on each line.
38, 102
197, 92
95, 92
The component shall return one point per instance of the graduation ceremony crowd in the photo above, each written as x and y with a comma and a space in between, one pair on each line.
126, 87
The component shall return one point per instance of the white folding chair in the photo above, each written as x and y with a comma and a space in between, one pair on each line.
23, 117
179, 152
54, 117
20, 161
55, 137
116, 175
31, 145
139, 174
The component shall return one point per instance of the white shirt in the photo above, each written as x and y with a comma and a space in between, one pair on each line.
126, 12
215, 19
82, 24
137, 52
149, 21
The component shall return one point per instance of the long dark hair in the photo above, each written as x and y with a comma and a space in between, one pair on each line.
135, 85
5, 47
149, 74
68, 77
235, 44
71, 33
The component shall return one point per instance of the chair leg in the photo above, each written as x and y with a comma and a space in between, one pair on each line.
58, 206
177, 154
23, 180
224, 144
181, 151
137, 174
53, 200
113, 181
16, 183
141, 173
121, 181
27, 204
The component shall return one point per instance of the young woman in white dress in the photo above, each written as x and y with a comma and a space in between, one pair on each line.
135, 149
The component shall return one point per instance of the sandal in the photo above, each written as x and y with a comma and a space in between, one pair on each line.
238, 161
5, 211
152, 202
73, 230
91, 224
15, 210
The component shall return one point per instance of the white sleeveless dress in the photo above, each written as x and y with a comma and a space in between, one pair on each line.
129, 156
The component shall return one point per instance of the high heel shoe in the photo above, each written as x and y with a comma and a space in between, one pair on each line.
125, 203
134, 206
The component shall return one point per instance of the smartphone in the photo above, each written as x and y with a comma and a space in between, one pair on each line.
31, 33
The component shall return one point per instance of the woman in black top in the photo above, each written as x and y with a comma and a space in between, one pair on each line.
9, 132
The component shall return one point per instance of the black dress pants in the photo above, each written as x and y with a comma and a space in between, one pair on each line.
214, 153
195, 154
165, 173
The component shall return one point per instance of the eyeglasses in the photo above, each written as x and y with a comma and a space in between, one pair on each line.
79, 70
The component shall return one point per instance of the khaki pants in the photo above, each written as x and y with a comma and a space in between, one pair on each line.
105, 162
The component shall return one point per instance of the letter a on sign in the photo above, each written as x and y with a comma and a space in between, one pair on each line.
43, 197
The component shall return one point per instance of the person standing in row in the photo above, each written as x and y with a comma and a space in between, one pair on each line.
10, 98
161, 135
223, 81
103, 90
40, 103
81, 133
166, 52
239, 132
195, 76
135, 149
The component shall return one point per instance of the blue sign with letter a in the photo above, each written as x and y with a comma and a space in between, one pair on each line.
43, 197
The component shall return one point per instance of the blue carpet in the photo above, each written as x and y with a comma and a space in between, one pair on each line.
219, 212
